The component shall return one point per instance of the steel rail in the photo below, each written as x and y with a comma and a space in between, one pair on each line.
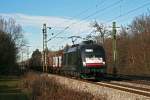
122, 87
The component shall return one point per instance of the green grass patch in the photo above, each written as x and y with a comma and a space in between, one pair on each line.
13, 96
9, 89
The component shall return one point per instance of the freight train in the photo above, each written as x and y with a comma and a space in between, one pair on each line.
85, 60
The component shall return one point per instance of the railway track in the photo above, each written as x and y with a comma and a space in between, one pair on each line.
117, 85
127, 88
122, 87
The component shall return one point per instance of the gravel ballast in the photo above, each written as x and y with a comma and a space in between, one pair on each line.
97, 90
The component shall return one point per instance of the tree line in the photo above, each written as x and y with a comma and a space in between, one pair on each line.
11, 41
133, 47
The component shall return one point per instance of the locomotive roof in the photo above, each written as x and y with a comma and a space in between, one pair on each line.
84, 44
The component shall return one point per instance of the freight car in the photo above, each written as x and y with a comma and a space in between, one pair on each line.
55, 61
85, 60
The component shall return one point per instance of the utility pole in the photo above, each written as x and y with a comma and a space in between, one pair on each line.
45, 49
22, 62
44, 56
22, 57
114, 48
28, 55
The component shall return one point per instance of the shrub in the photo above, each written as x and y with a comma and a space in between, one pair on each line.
44, 88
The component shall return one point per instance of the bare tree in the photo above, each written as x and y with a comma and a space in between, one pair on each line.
133, 47
14, 30
11, 40
101, 28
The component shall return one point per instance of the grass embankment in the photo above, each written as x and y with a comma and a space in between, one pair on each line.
44, 88
9, 89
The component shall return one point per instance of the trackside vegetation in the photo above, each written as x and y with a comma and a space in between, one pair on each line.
44, 88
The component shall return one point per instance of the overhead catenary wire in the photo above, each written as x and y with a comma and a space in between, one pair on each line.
93, 14
79, 14
86, 10
121, 15
128, 12
83, 38
97, 12
102, 10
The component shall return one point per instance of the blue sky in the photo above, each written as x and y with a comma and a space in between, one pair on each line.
58, 14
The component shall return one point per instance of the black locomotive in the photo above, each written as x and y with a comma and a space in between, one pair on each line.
86, 60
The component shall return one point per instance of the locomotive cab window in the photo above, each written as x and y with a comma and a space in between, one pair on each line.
95, 52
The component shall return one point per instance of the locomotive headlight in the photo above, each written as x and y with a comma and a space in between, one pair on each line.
84, 63
100, 59
104, 62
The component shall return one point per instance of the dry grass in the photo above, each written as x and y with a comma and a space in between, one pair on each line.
43, 88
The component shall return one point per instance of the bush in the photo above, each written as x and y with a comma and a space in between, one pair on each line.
43, 88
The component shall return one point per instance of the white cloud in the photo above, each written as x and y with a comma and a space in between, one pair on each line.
58, 23
75, 26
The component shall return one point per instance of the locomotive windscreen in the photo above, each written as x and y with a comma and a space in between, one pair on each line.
93, 51
93, 56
